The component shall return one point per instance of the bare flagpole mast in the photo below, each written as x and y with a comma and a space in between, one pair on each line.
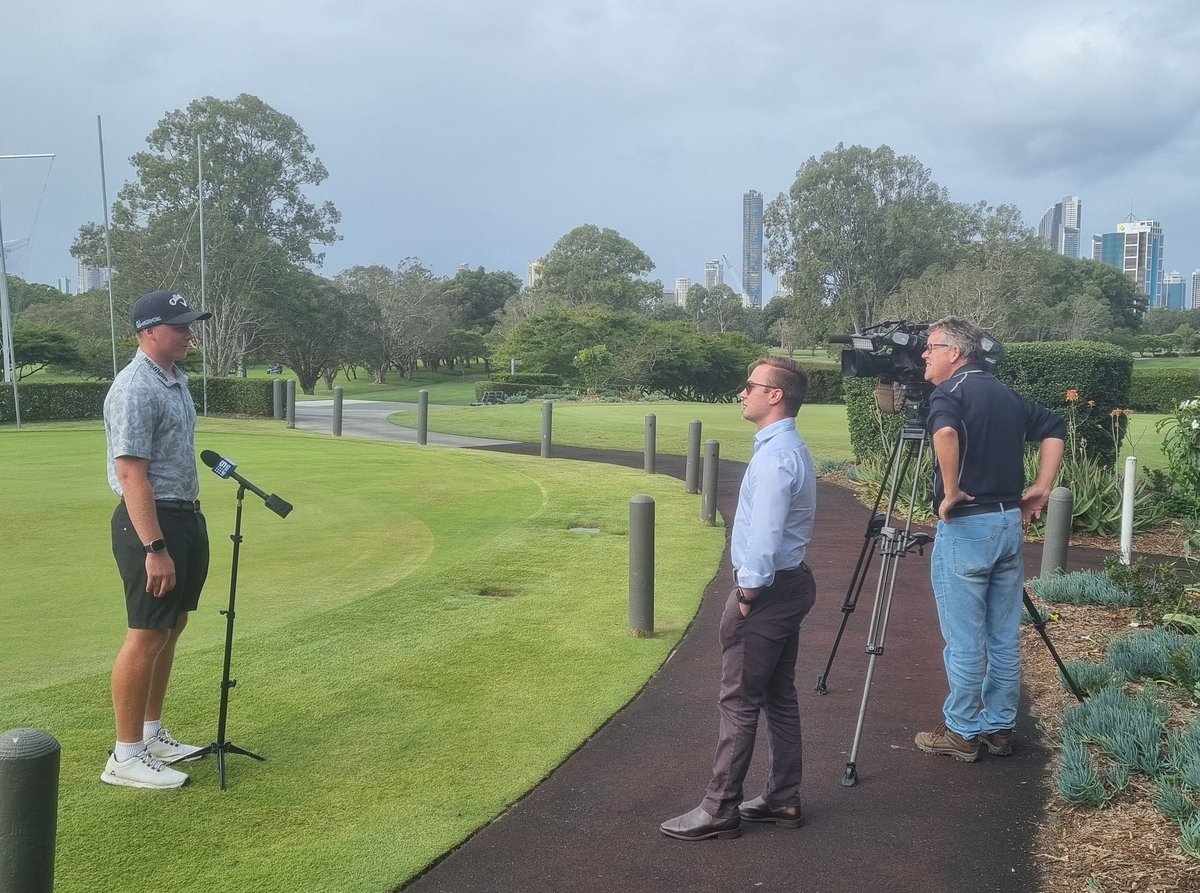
10, 364
203, 307
112, 312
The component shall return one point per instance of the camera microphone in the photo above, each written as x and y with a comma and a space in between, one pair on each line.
225, 468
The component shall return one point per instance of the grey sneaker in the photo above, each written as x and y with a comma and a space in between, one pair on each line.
944, 741
142, 771
163, 747
999, 744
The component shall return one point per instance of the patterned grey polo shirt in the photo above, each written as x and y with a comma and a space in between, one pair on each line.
149, 414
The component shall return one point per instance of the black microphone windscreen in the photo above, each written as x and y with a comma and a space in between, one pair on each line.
209, 458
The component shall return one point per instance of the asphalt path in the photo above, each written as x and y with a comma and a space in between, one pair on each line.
912, 822
367, 419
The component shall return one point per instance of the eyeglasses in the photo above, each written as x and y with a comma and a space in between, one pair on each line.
929, 347
751, 385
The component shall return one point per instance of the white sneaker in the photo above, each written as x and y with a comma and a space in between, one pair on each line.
142, 771
164, 747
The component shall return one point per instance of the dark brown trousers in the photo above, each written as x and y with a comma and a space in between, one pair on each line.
758, 673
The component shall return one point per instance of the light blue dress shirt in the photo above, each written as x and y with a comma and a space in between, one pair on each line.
776, 507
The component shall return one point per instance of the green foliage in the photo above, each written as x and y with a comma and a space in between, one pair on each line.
590, 265
872, 433
1155, 588
1099, 374
68, 400
508, 389
1158, 389
538, 378
1183, 756
671, 358
594, 366
1157, 654
1127, 730
1174, 803
516, 399
824, 384
1090, 677
1189, 836
1077, 779
56, 401
36, 347
1081, 588
1181, 447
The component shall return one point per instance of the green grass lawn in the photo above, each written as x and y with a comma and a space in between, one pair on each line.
418, 644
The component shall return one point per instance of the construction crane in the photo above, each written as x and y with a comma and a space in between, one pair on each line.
738, 272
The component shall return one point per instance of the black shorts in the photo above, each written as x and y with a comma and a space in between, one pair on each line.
186, 536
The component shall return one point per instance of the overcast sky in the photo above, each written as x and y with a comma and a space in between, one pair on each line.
480, 131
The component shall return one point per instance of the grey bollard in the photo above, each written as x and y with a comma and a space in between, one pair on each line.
291, 403
1058, 531
29, 767
691, 474
651, 442
547, 426
277, 399
338, 394
708, 500
641, 567
423, 416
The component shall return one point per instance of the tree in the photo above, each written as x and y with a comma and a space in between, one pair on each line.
305, 326
858, 222
413, 320
35, 347
476, 296
590, 265
22, 294
258, 219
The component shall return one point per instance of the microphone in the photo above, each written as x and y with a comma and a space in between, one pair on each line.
224, 468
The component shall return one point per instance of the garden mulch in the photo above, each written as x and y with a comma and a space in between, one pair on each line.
912, 822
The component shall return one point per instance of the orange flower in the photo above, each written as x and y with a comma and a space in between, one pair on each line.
1072, 395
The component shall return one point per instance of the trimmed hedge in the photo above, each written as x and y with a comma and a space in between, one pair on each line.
538, 378
1042, 371
510, 389
74, 400
824, 384
1162, 390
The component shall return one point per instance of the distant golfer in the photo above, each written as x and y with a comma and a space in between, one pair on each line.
760, 628
159, 537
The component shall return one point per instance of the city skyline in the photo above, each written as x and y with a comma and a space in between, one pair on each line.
479, 133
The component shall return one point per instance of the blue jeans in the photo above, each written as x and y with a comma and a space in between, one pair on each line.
978, 577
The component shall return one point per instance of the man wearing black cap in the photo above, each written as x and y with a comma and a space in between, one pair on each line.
159, 537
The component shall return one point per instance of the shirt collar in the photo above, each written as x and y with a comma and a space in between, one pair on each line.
761, 437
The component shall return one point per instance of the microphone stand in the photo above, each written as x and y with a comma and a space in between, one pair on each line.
222, 746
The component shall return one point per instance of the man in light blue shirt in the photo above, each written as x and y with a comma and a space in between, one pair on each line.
760, 628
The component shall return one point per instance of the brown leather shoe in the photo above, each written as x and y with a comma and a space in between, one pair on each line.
759, 810
999, 744
699, 825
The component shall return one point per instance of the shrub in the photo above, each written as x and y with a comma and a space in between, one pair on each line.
1127, 730
1155, 588
1181, 447
73, 400
538, 378
1077, 779
1161, 390
1090, 677
508, 389
1081, 588
824, 384
1147, 654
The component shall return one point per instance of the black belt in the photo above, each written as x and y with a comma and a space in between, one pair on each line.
791, 571
972, 508
179, 505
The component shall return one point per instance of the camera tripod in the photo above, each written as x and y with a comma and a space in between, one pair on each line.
895, 543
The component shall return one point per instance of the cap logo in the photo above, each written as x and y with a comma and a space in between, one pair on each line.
177, 299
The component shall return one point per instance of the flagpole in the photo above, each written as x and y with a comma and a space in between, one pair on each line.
112, 312
203, 308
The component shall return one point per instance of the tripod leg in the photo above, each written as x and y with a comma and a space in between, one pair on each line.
1039, 624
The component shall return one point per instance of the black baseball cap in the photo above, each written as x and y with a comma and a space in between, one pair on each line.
167, 307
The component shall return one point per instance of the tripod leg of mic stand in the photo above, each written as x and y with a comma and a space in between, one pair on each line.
1039, 623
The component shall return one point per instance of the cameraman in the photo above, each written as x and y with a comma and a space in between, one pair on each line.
979, 428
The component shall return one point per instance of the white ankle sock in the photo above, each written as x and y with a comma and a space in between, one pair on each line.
127, 751
150, 728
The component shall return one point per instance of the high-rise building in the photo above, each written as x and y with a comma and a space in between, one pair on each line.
1174, 291
534, 274
1195, 289
714, 274
752, 247
89, 278
682, 284
1137, 249
1059, 229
